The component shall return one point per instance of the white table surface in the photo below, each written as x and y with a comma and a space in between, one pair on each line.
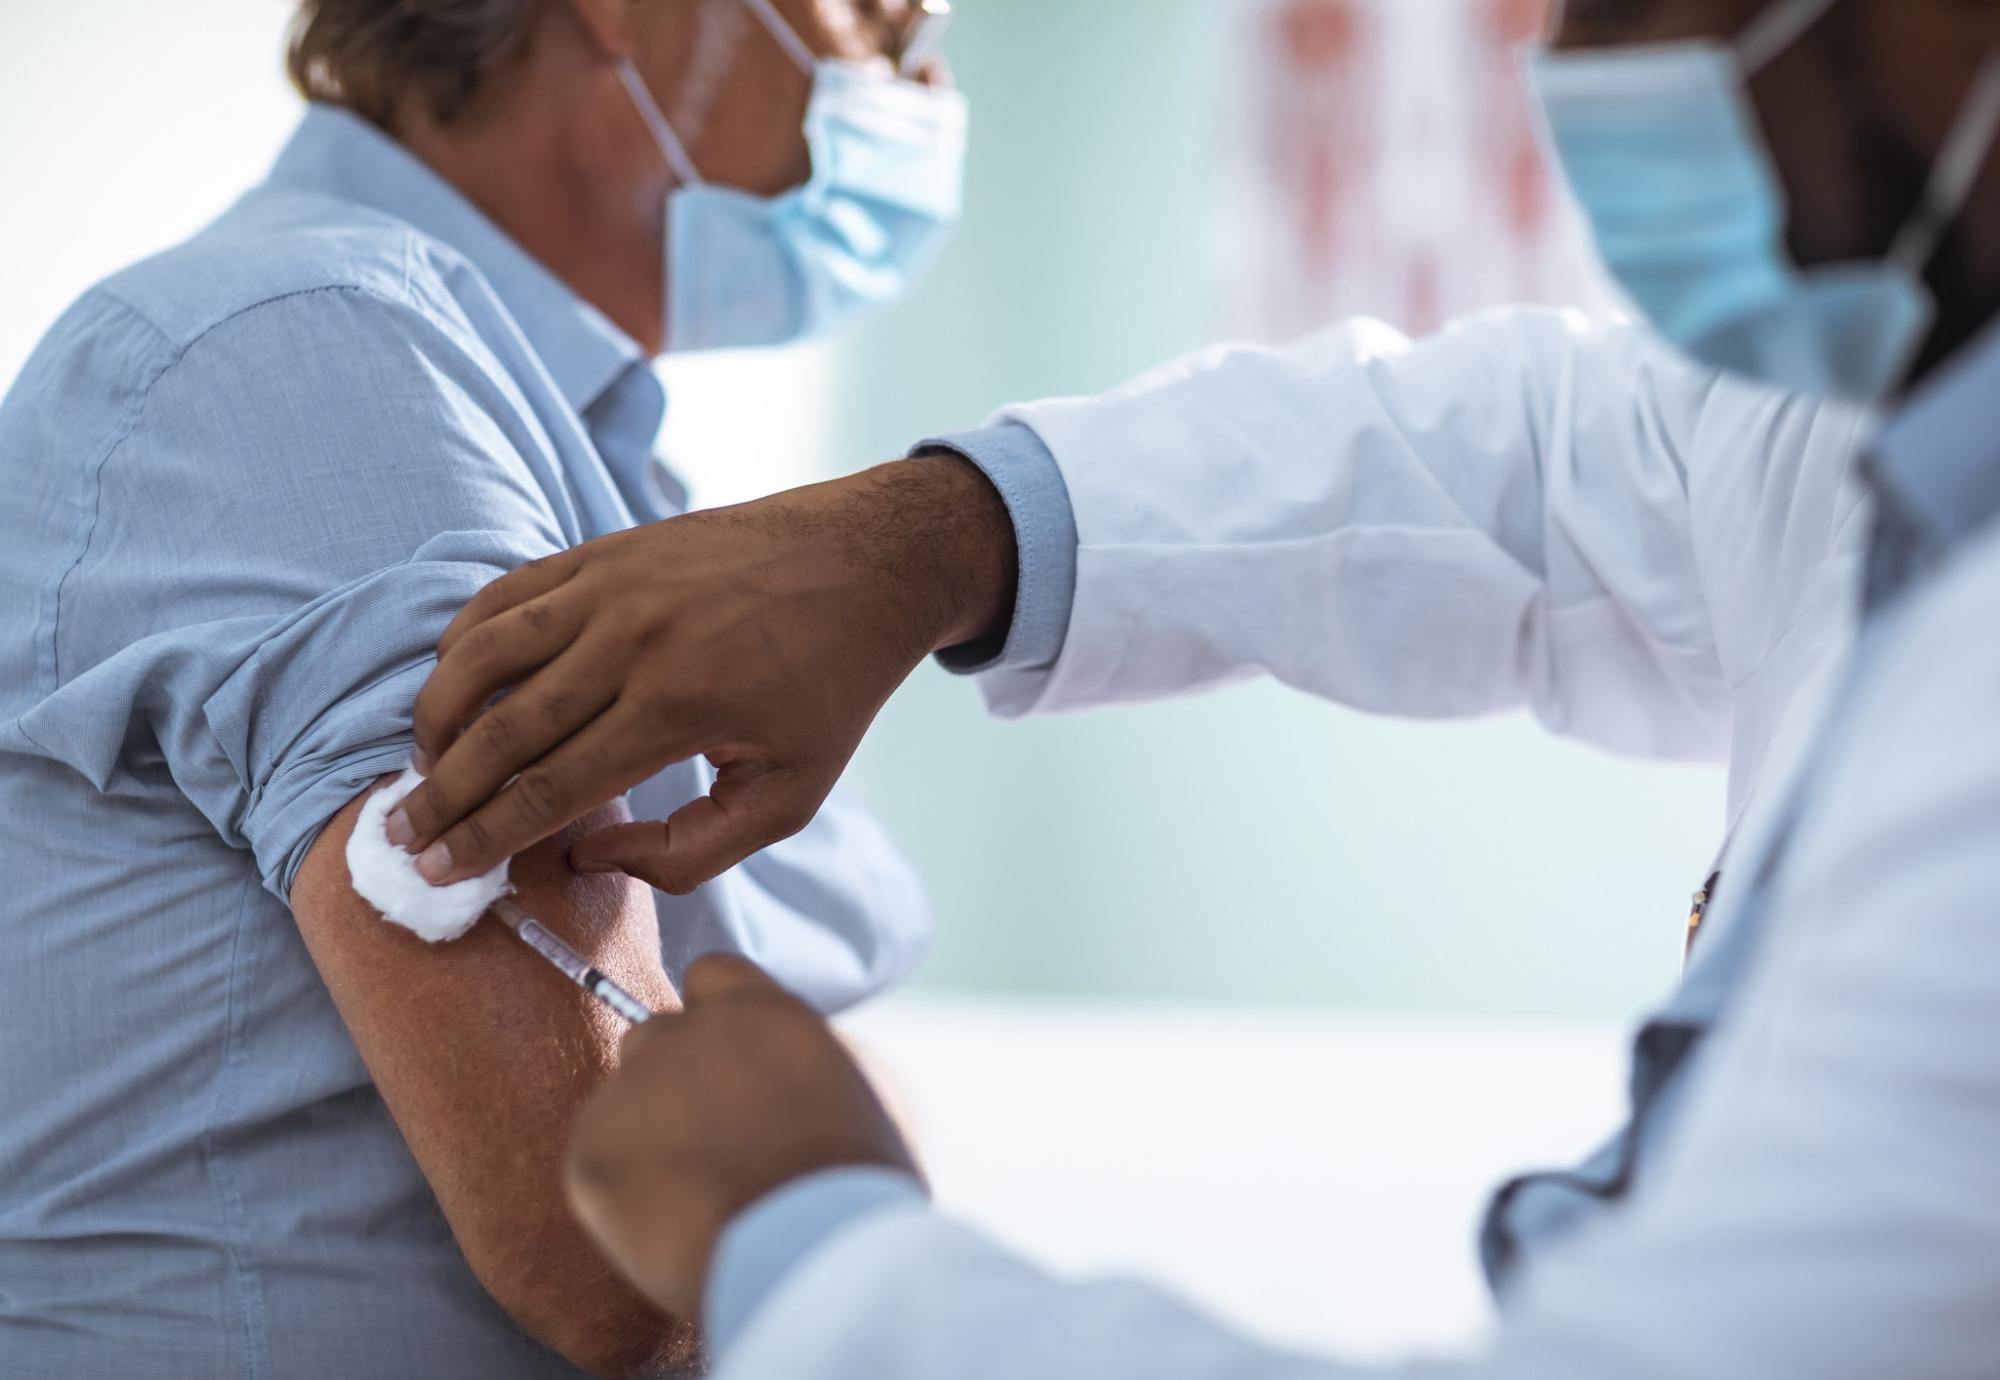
1315, 1179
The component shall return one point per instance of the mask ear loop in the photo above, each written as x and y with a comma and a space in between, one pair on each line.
1775, 30
1958, 167
787, 37
671, 147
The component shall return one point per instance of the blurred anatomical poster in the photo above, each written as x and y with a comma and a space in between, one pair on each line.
1380, 158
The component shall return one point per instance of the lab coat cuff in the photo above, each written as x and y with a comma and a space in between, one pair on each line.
775, 1234
1031, 484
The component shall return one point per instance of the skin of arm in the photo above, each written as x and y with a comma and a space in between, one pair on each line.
484, 1055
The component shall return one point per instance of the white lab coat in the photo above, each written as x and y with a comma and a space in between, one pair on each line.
1531, 511
1525, 510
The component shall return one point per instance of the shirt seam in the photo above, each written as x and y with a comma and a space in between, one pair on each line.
179, 354
222, 1171
21, 727
136, 411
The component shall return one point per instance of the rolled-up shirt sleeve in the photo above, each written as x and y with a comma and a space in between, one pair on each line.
306, 496
321, 704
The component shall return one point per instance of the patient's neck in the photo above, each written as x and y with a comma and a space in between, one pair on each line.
554, 154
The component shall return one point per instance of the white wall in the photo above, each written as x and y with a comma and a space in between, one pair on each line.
124, 125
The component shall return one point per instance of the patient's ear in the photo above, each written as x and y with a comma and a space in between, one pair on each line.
607, 24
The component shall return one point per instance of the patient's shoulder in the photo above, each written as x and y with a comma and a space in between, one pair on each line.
279, 246
295, 320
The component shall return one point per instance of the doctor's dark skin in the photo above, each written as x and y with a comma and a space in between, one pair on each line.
790, 620
745, 1090
767, 636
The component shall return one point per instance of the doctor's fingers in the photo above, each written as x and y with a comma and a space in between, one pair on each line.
725, 977
515, 588
510, 735
482, 662
617, 1140
748, 809
594, 766
663, 1041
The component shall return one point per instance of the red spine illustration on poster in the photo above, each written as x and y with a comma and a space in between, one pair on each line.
1380, 159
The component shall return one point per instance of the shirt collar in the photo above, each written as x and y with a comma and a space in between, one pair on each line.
1938, 459
338, 153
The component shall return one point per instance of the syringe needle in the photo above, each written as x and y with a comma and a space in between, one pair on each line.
569, 962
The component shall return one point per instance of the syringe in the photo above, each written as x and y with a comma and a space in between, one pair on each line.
569, 962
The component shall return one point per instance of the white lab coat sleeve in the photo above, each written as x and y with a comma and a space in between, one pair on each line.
1830, 1203
906, 1294
1492, 518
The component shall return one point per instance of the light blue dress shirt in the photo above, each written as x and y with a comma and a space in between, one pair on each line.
248, 483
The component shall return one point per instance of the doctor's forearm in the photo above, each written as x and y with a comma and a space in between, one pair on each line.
942, 539
1043, 532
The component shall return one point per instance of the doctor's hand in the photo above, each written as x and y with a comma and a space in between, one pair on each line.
765, 637
744, 1091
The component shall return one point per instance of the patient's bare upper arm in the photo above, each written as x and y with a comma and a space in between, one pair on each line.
484, 1054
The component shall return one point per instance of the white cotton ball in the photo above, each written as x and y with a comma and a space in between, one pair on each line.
387, 878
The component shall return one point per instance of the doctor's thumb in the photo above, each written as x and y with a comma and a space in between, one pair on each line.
638, 850
705, 837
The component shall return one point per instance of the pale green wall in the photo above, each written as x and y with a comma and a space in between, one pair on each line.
1253, 846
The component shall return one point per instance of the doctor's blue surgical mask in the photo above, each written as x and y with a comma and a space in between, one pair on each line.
1663, 151
888, 158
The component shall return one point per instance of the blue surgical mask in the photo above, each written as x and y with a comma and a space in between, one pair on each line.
1663, 152
888, 159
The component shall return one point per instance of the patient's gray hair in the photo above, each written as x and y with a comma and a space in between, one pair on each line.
369, 55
